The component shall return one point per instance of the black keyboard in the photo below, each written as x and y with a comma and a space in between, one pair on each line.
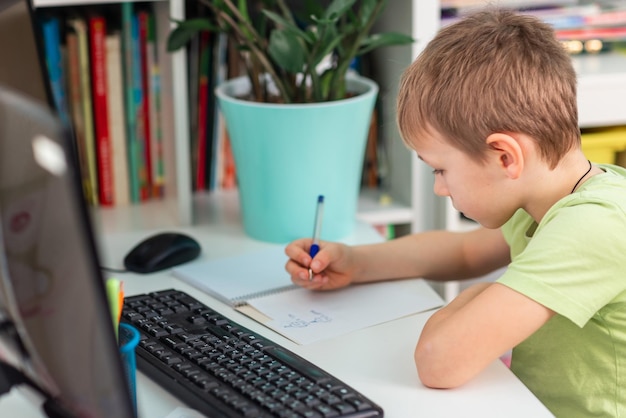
222, 369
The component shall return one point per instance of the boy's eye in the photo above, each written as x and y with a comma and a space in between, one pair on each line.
437, 171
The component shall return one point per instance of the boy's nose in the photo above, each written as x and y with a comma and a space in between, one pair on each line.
440, 188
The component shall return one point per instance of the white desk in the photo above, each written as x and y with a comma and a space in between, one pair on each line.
378, 361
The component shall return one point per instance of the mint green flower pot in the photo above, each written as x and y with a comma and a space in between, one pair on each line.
288, 155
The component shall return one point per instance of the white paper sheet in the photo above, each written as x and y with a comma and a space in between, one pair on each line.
306, 316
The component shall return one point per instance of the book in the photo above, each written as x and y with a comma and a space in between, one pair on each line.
154, 86
117, 119
583, 34
203, 122
139, 104
97, 35
219, 72
193, 87
133, 102
143, 21
76, 107
258, 285
51, 31
79, 26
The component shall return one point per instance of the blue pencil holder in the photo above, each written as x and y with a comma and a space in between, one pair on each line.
128, 340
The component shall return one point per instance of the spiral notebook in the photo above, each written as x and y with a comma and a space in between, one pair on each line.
236, 280
257, 285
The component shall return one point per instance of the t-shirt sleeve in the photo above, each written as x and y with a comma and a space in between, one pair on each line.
573, 263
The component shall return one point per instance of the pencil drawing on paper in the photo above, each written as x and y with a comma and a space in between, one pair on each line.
298, 322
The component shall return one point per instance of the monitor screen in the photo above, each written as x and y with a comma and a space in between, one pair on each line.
55, 325
20, 69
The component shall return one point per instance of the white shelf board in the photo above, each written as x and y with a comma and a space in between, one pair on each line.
147, 215
61, 3
601, 89
222, 207
377, 208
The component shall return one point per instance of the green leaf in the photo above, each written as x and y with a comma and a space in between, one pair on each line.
367, 9
242, 6
287, 51
199, 23
311, 8
384, 39
331, 40
323, 21
337, 8
185, 31
284, 24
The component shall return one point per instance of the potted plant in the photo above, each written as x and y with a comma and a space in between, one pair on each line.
298, 122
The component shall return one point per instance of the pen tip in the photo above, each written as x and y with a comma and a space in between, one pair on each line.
320, 198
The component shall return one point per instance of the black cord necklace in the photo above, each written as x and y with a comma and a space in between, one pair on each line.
580, 179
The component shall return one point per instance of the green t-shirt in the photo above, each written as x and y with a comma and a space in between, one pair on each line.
574, 262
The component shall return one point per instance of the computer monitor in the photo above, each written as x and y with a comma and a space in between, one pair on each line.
55, 325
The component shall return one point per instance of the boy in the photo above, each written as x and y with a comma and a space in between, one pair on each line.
490, 105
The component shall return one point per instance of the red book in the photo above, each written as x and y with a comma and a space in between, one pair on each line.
583, 34
97, 52
145, 78
203, 103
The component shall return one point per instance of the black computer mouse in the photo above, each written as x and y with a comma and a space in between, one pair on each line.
161, 251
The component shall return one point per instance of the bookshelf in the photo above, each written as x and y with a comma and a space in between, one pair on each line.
181, 204
173, 69
407, 198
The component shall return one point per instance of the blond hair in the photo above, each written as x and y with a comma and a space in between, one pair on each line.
493, 71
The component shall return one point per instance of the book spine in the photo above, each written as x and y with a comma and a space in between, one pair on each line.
583, 34
138, 106
131, 115
203, 102
80, 27
143, 21
156, 146
76, 106
608, 18
220, 70
97, 30
51, 30
117, 120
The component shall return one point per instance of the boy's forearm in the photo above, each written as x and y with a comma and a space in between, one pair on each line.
434, 255
389, 260
457, 303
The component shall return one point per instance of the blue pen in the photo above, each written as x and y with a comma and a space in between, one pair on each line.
315, 247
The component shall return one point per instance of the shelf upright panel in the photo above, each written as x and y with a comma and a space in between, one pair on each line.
180, 95
601, 89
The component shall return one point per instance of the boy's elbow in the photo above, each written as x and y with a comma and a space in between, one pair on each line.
435, 370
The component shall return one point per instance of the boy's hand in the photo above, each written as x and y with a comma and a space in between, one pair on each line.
331, 268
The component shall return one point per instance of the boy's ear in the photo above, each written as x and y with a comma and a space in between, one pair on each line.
508, 153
